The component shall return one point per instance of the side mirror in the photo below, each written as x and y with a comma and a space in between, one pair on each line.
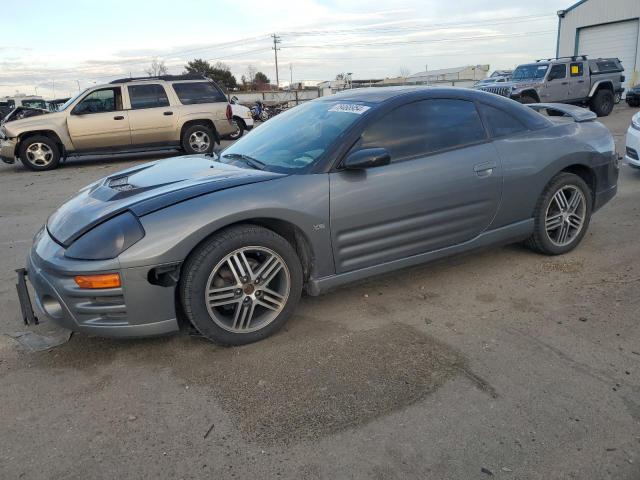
80, 109
367, 158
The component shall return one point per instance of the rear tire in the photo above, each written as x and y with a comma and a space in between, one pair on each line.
633, 103
602, 103
39, 153
198, 139
560, 219
241, 286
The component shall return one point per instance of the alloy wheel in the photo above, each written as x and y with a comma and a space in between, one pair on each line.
565, 216
39, 154
236, 132
199, 141
247, 289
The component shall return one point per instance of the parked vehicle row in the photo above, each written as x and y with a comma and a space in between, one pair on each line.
594, 83
335, 190
130, 114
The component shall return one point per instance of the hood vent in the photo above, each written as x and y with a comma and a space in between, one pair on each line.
121, 184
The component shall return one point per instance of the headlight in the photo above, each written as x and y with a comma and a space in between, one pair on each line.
635, 121
107, 240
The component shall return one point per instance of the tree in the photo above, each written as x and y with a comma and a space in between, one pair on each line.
157, 68
404, 72
260, 80
219, 73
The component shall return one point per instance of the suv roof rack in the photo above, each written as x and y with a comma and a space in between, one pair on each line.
188, 76
572, 57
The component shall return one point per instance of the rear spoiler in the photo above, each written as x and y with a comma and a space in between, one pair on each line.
578, 114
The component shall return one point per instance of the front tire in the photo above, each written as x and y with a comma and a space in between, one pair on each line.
562, 215
240, 127
527, 99
198, 139
602, 103
39, 153
242, 285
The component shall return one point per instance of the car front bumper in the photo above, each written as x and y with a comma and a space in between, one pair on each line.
137, 309
632, 153
8, 150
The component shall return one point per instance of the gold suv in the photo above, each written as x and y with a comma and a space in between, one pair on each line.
131, 114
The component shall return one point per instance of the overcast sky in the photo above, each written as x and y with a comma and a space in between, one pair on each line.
66, 43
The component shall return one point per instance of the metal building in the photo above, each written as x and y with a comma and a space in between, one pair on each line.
603, 28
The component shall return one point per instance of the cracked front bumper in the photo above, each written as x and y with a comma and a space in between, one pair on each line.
136, 309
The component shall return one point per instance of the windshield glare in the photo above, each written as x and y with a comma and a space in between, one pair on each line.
296, 138
534, 71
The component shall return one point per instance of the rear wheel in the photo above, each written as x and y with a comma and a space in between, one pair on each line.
198, 139
562, 215
242, 285
602, 103
39, 153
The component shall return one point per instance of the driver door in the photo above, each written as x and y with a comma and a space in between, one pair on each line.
556, 88
99, 121
442, 187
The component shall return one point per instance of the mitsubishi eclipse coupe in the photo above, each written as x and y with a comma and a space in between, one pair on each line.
333, 191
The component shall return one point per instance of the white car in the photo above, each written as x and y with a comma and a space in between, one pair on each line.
633, 142
242, 119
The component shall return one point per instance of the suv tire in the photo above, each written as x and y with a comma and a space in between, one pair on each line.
602, 103
241, 285
527, 99
198, 138
39, 153
570, 227
238, 122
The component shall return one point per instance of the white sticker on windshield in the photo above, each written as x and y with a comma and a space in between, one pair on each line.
542, 67
349, 108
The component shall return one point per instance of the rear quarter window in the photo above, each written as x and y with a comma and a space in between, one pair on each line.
190, 93
500, 123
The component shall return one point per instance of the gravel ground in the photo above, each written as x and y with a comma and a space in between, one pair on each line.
500, 364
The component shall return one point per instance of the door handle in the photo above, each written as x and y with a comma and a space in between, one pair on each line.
168, 113
580, 81
484, 169
118, 117
565, 83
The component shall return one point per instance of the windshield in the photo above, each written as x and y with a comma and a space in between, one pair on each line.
34, 103
66, 104
296, 138
530, 72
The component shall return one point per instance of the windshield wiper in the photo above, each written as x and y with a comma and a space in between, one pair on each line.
252, 162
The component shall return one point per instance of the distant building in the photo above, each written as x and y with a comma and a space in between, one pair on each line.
448, 75
602, 28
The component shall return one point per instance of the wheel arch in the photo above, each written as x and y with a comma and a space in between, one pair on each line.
601, 85
586, 173
289, 231
202, 121
47, 133
530, 93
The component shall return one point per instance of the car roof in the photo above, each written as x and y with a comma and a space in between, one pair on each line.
380, 96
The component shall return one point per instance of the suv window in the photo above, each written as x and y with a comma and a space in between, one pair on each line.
558, 71
576, 69
424, 127
500, 123
198, 92
147, 96
99, 101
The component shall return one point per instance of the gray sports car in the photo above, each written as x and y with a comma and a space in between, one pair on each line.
335, 190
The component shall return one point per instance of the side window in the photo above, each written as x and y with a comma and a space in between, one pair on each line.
500, 123
558, 71
147, 96
100, 101
190, 93
576, 69
424, 127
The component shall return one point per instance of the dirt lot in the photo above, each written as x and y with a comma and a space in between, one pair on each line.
502, 364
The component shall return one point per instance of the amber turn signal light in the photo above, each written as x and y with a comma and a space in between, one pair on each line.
105, 280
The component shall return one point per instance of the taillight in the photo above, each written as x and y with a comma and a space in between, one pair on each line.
229, 112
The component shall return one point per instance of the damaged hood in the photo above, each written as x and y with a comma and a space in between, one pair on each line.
146, 188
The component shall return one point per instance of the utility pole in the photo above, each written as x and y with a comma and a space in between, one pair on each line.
78, 82
276, 41
291, 76
53, 82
